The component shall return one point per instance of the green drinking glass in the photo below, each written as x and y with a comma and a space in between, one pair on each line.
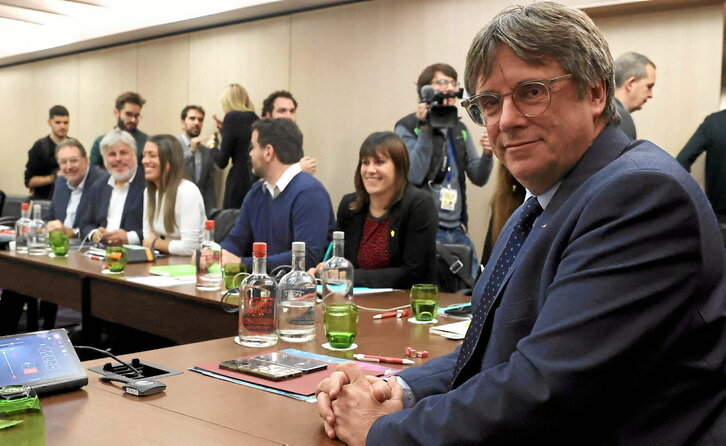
116, 259
58, 241
424, 301
341, 324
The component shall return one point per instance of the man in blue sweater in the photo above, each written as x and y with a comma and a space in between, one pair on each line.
287, 205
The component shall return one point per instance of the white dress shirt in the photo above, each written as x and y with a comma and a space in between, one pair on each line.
282, 182
116, 207
74, 200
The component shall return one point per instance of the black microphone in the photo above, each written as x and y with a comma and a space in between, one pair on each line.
427, 93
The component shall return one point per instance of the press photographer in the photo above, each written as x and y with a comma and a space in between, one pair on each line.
441, 149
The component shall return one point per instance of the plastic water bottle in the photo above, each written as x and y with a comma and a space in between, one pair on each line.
296, 300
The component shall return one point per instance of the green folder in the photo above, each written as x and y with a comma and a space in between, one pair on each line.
173, 270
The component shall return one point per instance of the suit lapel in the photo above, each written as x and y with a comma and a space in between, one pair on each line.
136, 190
607, 147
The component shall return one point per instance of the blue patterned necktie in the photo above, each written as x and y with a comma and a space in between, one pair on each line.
529, 211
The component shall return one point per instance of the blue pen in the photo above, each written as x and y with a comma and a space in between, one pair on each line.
327, 253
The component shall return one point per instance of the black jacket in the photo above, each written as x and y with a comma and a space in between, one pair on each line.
411, 243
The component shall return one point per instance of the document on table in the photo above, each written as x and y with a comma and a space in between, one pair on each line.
361, 290
162, 281
455, 331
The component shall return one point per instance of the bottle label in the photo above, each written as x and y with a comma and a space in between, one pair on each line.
259, 310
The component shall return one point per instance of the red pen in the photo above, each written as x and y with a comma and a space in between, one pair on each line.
386, 359
400, 313
92, 257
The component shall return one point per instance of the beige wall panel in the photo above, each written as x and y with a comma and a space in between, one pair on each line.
255, 55
103, 75
686, 47
163, 79
20, 127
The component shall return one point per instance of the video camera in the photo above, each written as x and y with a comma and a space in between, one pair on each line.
441, 116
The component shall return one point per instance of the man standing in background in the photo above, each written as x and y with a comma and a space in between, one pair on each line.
40, 171
634, 82
128, 114
281, 104
711, 138
198, 160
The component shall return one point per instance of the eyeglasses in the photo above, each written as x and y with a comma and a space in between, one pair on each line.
532, 98
443, 83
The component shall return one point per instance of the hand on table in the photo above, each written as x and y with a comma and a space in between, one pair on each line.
349, 402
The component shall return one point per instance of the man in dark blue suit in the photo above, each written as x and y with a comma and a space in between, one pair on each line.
116, 200
606, 324
69, 197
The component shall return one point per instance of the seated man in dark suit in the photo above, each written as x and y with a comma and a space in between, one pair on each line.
116, 200
69, 197
600, 318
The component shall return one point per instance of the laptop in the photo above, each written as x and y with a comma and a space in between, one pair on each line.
43, 360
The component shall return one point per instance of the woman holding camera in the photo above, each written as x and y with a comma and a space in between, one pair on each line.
173, 206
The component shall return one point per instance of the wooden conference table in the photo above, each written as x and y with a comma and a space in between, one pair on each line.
180, 313
197, 409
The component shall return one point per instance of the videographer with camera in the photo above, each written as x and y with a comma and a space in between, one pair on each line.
441, 149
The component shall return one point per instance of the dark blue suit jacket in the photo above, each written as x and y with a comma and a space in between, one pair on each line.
609, 329
96, 212
61, 196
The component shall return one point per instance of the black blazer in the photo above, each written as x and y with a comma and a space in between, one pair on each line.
61, 196
411, 243
95, 212
206, 178
236, 135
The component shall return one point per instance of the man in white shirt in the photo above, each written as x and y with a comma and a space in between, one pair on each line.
115, 211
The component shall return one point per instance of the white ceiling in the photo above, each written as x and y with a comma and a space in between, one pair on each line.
35, 29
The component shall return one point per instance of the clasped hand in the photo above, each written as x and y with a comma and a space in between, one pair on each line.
349, 402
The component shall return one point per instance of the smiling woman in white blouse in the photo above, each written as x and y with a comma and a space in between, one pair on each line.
173, 207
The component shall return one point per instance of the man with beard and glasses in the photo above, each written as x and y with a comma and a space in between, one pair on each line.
198, 160
114, 212
128, 114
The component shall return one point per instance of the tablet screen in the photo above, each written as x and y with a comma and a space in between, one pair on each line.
44, 360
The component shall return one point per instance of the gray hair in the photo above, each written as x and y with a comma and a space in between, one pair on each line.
631, 65
542, 31
116, 136
71, 142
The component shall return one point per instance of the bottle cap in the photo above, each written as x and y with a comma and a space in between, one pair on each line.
24, 206
298, 246
338, 235
209, 225
259, 249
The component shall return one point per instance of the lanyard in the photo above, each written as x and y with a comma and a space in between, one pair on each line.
450, 139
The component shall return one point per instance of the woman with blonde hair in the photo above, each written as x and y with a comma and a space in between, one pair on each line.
173, 206
239, 114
